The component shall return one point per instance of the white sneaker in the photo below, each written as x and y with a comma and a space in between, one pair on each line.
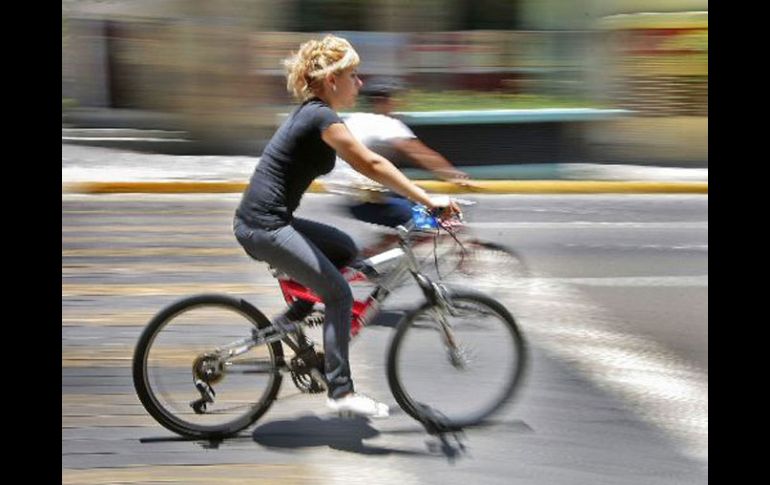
358, 404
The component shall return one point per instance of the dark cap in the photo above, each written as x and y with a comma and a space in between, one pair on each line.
382, 87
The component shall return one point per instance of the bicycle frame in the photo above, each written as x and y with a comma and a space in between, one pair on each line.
365, 309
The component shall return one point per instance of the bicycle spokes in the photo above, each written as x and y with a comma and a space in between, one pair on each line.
207, 368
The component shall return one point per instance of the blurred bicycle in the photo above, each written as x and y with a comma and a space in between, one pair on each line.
455, 252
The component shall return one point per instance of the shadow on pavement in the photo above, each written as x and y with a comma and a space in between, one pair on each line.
336, 433
348, 435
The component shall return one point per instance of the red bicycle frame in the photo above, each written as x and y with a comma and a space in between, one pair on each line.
362, 310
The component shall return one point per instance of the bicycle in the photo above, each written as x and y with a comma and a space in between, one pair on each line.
210, 365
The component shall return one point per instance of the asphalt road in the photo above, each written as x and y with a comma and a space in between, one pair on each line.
616, 314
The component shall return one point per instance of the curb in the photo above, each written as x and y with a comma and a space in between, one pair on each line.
568, 187
483, 187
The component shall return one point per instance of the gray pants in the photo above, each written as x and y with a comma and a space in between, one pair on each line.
311, 253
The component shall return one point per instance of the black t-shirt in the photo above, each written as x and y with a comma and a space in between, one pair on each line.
293, 158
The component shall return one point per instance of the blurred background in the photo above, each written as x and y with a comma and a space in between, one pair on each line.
616, 310
623, 81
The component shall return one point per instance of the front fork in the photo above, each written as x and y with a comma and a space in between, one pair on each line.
454, 350
442, 308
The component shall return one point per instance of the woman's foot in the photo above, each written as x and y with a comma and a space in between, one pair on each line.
358, 404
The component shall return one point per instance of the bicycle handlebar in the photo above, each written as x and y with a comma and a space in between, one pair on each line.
424, 218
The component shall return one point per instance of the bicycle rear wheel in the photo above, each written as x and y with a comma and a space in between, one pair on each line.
189, 384
462, 388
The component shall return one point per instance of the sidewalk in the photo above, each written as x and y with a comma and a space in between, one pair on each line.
95, 170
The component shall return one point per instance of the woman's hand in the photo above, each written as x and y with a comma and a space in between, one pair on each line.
444, 205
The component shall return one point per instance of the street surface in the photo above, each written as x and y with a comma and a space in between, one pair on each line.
616, 314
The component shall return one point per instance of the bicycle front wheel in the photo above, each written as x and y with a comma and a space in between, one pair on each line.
463, 379
197, 369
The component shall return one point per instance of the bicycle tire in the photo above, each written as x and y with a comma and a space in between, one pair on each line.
493, 265
151, 396
413, 404
488, 266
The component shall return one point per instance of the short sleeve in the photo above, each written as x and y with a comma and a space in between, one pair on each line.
325, 117
397, 129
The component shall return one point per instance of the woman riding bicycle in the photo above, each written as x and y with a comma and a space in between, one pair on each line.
322, 76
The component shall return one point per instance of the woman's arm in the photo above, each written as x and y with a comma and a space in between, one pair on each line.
376, 167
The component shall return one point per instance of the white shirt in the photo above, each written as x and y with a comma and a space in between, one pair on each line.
377, 133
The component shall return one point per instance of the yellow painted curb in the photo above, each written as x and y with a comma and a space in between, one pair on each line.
482, 187
152, 187
567, 187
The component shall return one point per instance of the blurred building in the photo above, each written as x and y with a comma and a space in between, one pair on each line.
213, 66
657, 66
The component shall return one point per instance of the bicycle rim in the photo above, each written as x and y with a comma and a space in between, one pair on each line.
173, 358
425, 381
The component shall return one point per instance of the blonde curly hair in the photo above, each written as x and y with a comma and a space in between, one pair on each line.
306, 68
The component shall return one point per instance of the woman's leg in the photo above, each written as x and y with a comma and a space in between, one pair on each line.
335, 244
293, 251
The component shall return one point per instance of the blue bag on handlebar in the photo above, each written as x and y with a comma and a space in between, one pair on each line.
422, 218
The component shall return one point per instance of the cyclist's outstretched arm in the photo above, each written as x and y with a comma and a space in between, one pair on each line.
376, 167
428, 158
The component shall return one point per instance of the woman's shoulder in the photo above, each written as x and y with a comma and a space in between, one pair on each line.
316, 104
320, 112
